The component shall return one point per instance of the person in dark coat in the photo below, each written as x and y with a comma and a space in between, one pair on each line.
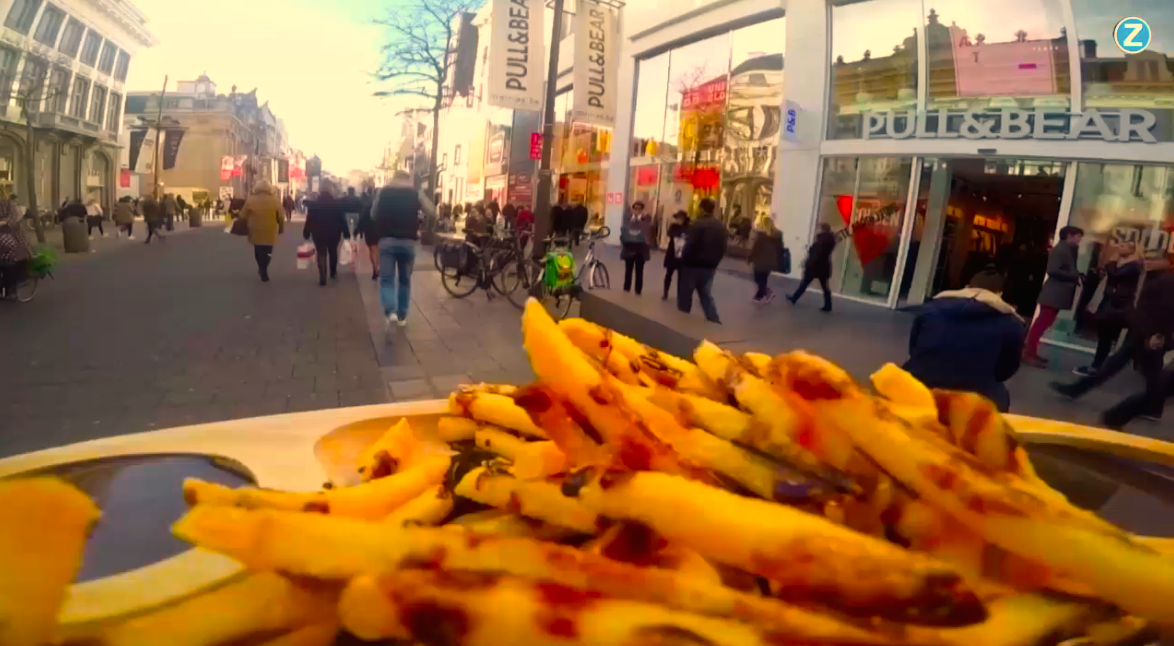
969, 340
1058, 293
635, 241
153, 216
705, 246
672, 256
764, 257
818, 266
1122, 277
287, 204
578, 222
326, 223
560, 216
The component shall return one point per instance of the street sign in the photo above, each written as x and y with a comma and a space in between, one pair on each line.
1132, 35
791, 122
535, 145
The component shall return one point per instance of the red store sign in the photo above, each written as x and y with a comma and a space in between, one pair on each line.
536, 145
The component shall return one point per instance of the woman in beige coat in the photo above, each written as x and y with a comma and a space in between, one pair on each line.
124, 217
263, 213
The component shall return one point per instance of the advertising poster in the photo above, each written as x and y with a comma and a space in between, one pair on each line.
597, 50
171, 141
136, 146
517, 55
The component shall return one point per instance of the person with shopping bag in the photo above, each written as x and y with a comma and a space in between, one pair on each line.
262, 214
326, 224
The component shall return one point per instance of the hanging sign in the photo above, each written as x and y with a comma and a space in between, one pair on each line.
171, 141
124, 178
136, 145
226, 168
597, 47
238, 163
517, 55
536, 145
1123, 125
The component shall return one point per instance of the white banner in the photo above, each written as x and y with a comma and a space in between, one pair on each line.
517, 55
597, 48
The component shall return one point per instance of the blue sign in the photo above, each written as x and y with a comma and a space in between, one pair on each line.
791, 122
1132, 35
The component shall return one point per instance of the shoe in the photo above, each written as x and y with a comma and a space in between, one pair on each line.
392, 319
402, 322
770, 296
1084, 371
665, 297
1063, 389
91, 236
1035, 361
321, 283
333, 276
792, 300
374, 276
1151, 418
103, 235
757, 301
130, 237
825, 309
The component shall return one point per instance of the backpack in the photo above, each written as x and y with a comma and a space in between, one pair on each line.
560, 269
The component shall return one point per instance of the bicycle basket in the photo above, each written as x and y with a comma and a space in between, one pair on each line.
455, 256
560, 270
43, 261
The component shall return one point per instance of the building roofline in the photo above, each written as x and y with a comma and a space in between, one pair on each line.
130, 17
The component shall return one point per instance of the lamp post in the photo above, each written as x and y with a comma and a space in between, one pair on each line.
542, 221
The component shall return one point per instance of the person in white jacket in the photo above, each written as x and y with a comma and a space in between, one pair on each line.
94, 217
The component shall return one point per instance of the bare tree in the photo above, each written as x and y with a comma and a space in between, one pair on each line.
417, 58
35, 91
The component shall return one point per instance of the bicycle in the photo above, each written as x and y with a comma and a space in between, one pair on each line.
477, 266
532, 275
26, 286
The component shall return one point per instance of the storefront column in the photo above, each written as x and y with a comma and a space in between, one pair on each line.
931, 234
805, 87
621, 143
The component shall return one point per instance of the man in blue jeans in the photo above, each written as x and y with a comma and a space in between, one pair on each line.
396, 211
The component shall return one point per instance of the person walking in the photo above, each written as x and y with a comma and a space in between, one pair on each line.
370, 234
1121, 277
94, 218
705, 246
124, 217
287, 204
352, 216
635, 241
818, 266
1058, 292
262, 212
764, 257
181, 206
170, 208
153, 216
326, 224
577, 222
15, 251
969, 340
397, 224
672, 256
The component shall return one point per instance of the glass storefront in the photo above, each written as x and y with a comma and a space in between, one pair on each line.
1115, 204
1114, 80
873, 70
580, 159
707, 126
864, 201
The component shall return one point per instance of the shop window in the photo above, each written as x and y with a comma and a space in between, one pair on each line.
50, 26
71, 39
863, 199
1013, 54
80, 98
58, 96
1113, 80
456, 156
22, 14
93, 43
874, 69
651, 97
1121, 207
98, 105
109, 54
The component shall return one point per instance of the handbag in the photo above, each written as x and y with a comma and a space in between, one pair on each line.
785, 260
632, 233
240, 227
346, 253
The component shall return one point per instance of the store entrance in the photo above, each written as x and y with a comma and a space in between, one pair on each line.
972, 212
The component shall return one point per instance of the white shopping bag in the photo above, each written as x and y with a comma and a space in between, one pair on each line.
346, 254
305, 256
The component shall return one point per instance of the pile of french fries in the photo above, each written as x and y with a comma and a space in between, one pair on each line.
631, 497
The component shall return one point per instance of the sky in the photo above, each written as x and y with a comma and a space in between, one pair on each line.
311, 60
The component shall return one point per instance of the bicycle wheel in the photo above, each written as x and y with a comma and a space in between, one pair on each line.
436, 257
459, 281
27, 289
530, 282
599, 278
505, 273
560, 305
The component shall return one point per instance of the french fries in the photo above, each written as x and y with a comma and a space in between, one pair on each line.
43, 527
629, 497
372, 500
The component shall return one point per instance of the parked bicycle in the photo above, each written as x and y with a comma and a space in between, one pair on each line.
554, 280
25, 287
466, 266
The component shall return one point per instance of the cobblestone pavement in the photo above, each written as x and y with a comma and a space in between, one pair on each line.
179, 333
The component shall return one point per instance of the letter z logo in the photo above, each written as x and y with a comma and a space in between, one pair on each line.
1132, 35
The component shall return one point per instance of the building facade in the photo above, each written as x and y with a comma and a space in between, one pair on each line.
933, 136
215, 126
65, 63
